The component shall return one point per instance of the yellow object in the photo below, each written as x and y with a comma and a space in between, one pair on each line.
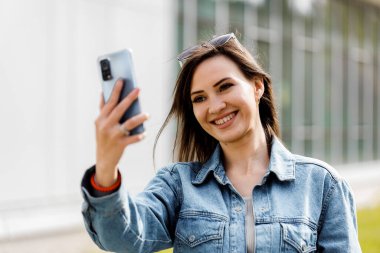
167, 251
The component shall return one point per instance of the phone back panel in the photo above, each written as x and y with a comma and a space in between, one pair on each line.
121, 65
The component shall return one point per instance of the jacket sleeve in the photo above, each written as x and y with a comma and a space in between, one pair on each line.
337, 224
119, 223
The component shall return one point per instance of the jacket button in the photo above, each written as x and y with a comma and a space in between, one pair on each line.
303, 248
238, 209
191, 238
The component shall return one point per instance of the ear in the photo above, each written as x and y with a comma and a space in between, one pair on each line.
259, 87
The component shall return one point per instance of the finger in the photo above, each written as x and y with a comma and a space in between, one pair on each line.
133, 139
134, 122
112, 102
101, 104
120, 109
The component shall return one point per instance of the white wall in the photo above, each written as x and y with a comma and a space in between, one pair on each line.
50, 94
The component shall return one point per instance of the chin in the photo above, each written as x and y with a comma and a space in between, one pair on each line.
230, 137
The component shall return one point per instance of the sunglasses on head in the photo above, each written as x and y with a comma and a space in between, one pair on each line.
216, 41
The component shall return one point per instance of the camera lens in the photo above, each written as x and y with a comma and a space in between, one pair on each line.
106, 69
105, 64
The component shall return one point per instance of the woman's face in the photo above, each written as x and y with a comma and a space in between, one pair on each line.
224, 101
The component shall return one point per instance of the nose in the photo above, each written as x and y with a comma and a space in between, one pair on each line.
216, 105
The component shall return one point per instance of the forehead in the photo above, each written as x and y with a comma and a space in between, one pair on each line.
214, 69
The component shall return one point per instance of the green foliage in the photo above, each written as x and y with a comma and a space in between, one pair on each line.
166, 251
369, 229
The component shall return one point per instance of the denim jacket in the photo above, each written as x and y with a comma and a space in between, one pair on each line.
302, 205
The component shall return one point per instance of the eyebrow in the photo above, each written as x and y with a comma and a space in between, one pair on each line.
215, 85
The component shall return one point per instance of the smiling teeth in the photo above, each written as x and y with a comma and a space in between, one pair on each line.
225, 119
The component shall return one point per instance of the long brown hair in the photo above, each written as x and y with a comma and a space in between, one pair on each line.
192, 143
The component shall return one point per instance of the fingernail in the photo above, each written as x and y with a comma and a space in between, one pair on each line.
147, 116
136, 91
143, 135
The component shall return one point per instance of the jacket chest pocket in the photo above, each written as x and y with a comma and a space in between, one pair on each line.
199, 232
298, 238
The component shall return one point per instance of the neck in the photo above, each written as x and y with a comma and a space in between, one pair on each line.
247, 155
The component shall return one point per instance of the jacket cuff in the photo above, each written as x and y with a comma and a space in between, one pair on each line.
106, 203
86, 183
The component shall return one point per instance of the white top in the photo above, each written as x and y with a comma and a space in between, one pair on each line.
249, 225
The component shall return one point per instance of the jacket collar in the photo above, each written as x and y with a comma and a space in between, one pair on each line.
281, 163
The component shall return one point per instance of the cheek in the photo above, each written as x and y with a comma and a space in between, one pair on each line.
199, 114
248, 108
249, 99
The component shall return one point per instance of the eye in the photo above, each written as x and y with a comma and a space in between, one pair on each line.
225, 86
199, 99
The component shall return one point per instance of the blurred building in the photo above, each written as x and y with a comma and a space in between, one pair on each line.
323, 55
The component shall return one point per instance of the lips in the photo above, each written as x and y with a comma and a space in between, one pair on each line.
224, 119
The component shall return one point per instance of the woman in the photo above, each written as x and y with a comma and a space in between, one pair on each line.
236, 187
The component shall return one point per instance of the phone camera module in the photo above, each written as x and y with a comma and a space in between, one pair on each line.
105, 67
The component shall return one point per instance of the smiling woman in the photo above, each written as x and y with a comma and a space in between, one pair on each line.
236, 188
225, 103
193, 144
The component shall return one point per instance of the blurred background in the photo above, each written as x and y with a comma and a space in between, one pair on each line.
323, 55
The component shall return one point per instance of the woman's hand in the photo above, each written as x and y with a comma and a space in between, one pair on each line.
111, 138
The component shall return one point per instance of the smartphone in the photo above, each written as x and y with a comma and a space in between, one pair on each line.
115, 66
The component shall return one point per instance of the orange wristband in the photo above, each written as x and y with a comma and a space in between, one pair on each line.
106, 189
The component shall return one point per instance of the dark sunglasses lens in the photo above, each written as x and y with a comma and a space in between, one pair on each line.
186, 54
218, 41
